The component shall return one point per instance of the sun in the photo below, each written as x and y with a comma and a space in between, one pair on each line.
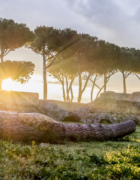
8, 84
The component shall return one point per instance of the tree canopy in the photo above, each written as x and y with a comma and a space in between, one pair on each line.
13, 36
19, 71
49, 42
97, 58
67, 54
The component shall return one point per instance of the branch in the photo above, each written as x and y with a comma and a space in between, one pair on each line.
58, 77
93, 81
60, 52
137, 76
86, 82
71, 83
97, 86
111, 75
51, 62
6, 52
106, 82
71, 94
84, 75
128, 74
99, 91
98, 78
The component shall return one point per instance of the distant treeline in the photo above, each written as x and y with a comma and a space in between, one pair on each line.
67, 54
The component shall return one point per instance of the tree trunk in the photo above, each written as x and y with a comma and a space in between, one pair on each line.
2, 55
124, 83
92, 92
1, 58
67, 89
63, 89
44, 76
81, 90
71, 95
99, 91
70, 88
38, 127
1, 62
105, 81
93, 87
80, 87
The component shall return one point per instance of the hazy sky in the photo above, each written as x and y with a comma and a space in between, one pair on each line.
116, 21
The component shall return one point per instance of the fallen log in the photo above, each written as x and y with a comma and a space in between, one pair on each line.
38, 127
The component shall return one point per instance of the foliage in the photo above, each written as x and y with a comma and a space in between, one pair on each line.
91, 57
89, 54
49, 42
53, 40
13, 36
79, 161
19, 71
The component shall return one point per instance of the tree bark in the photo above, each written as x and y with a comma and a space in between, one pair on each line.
61, 80
105, 81
67, 89
80, 87
2, 54
81, 90
137, 76
124, 83
68, 86
1, 58
92, 92
70, 89
63, 90
99, 91
71, 95
38, 127
93, 87
1, 62
44, 76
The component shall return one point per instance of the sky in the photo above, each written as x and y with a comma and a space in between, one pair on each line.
115, 21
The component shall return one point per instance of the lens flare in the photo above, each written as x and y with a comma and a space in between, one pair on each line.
7, 84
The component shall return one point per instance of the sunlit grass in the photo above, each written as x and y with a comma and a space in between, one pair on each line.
81, 160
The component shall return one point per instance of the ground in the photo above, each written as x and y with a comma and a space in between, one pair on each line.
76, 161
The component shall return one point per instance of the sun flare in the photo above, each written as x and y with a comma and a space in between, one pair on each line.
8, 84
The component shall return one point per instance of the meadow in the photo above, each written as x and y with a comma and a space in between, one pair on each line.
107, 160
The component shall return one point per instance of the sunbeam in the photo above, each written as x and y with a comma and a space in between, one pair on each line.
8, 84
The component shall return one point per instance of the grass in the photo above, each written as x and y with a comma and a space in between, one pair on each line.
76, 161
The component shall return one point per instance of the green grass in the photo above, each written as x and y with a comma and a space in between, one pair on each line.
75, 161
